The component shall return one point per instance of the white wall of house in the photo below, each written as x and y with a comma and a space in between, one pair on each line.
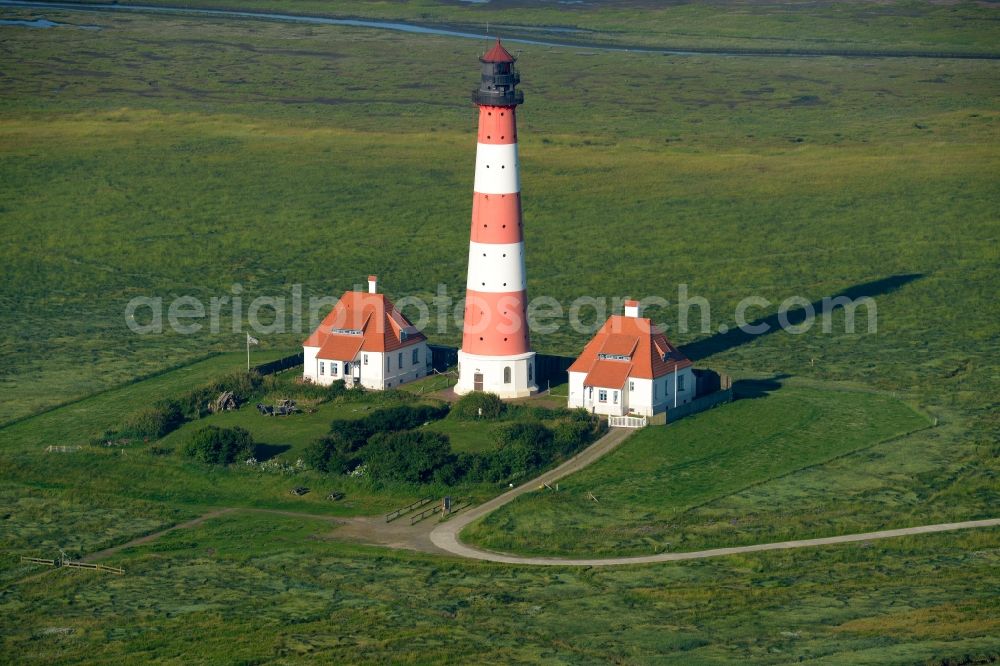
393, 372
373, 370
576, 389
309, 366
614, 403
641, 396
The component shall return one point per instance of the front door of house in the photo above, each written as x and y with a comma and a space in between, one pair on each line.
477, 381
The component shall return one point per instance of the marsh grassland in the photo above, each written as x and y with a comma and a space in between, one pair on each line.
163, 156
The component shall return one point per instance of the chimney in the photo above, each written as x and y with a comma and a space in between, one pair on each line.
372, 284
631, 308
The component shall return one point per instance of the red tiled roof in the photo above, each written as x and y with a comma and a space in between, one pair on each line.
340, 347
380, 324
497, 54
647, 358
619, 344
608, 374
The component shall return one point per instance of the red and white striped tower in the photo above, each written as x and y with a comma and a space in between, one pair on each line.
496, 351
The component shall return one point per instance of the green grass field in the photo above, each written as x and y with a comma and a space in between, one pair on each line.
168, 156
783, 177
651, 492
255, 588
853, 26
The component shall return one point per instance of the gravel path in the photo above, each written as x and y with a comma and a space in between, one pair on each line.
442, 538
445, 535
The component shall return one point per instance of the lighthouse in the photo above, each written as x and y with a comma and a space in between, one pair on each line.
496, 354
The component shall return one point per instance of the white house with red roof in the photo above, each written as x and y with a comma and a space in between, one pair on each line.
365, 340
630, 367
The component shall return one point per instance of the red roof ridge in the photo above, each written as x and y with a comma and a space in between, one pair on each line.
654, 355
381, 325
497, 54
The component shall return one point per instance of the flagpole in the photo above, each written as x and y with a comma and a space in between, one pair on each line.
248, 352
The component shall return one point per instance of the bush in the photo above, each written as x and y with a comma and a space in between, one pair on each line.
244, 385
219, 446
153, 422
333, 453
357, 432
412, 455
404, 417
302, 390
570, 436
478, 405
521, 447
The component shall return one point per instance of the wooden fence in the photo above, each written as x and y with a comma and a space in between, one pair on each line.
393, 515
627, 421
426, 513
95, 567
73, 565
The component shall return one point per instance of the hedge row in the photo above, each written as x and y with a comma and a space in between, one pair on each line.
391, 448
340, 451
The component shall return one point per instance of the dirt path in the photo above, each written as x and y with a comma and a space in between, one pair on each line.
442, 538
446, 539
107, 552
445, 535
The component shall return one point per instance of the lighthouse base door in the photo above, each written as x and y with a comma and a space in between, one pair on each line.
477, 382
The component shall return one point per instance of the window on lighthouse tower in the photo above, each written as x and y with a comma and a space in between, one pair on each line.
506, 375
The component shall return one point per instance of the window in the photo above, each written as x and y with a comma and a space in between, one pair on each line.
400, 359
333, 368
602, 395
347, 368
365, 359
531, 372
680, 383
614, 397
416, 355
388, 363
321, 367
506, 375
631, 385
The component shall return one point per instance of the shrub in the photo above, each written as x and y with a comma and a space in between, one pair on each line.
404, 417
356, 393
153, 422
333, 453
478, 405
357, 432
220, 446
410, 455
521, 447
244, 385
302, 390
570, 436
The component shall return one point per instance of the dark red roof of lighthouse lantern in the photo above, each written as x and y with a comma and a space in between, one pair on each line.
497, 54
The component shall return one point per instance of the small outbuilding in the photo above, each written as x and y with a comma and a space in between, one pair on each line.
630, 367
365, 341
